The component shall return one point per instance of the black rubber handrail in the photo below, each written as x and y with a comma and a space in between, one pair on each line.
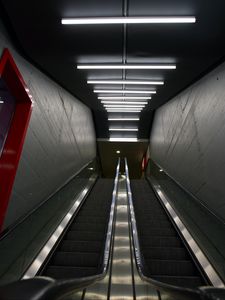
41, 288
172, 292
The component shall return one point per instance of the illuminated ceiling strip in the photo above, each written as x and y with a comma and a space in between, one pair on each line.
123, 139
123, 98
124, 102
123, 119
127, 67
128, 20
122, 110
123, 129
125, 82
124, 92
124, 106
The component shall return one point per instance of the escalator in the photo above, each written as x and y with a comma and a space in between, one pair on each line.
81, 250
165, 255
153, 264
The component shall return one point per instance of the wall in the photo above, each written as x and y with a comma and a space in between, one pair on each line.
188, 139
60, 139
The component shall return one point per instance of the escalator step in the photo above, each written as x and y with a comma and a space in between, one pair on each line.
90, 219
155, 223
150, 211
88, 227
89, 212
77, 259
59, 272
183, 281
145, 231
79, 246
171, 267
84, 236
167, 253
161, 242
152, 217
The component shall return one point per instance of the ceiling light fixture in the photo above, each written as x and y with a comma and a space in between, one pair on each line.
111, 139
124, 98
124, 102
124, 92
125, 82
123, 129
123, 119
126, 67
128, 20
131, 110
122, 106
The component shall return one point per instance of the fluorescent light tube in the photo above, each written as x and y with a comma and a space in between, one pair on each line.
124, 98
126, 67
125, 82
124, 102
121, 110
123, 119
1, 102
123, 139
123, 129
124, 106
124, 92
128, 20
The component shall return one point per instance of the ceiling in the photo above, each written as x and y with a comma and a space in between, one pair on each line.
57, 49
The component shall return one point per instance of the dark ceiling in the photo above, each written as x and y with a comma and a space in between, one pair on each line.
57, 49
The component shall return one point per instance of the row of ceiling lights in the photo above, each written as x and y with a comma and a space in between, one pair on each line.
111, 103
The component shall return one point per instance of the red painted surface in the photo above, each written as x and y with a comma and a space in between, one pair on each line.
11, 153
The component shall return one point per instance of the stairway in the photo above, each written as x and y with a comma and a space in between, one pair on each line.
165, 255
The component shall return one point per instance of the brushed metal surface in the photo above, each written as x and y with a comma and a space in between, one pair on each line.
121, 277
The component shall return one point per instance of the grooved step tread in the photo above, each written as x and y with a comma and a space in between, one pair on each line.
167, 232
90, 219
167, 253
161, 241
75, 259
88, 227
84, 236
171, 267
60, 272
183, 281
80, 246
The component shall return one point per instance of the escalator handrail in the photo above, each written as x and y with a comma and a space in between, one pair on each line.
51, 289
173, 292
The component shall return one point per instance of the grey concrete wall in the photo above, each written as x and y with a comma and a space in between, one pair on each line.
188, 139
60, 139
